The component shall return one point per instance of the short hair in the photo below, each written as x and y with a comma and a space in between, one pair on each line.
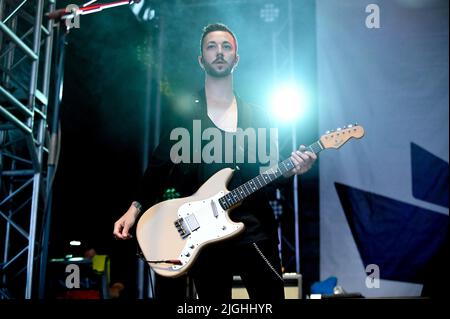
216, 27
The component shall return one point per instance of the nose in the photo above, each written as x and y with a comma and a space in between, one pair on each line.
220, 50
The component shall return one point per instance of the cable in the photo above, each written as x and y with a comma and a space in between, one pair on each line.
267, 262
162, 261
150, 281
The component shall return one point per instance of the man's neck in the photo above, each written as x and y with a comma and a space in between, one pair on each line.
219, 91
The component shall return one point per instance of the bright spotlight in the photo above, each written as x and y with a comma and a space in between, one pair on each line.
75, 243
288, 103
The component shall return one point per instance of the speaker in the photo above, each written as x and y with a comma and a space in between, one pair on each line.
292, 287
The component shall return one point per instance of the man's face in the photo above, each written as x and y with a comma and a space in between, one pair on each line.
219, 55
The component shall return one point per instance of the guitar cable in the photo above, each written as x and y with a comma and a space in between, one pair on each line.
140, 255
162, 261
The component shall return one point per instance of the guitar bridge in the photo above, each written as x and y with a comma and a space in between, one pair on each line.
182, 228
186, 225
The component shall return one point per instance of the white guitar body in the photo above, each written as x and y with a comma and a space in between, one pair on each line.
178, 229
172, 233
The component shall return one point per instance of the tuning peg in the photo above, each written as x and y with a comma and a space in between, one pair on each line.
327, 132
345, 126
338, 129
350, 125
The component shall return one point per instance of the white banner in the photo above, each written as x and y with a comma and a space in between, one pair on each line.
384, 65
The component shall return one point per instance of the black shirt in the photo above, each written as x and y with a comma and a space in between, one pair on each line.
197, 167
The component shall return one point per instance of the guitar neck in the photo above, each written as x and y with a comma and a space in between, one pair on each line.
240, 193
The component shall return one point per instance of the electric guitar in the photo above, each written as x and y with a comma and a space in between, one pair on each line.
173, 232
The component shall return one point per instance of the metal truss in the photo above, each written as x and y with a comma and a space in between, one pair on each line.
25, 65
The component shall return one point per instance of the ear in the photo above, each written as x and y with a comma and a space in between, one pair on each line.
236, 61
200, 61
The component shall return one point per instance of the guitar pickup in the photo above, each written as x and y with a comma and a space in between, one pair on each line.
214, 208
192, 222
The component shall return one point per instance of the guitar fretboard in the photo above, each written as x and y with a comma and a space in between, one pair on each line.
240, 193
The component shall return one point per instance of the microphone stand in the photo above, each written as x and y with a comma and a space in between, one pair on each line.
61, 38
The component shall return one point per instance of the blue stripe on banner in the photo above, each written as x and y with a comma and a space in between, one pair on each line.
398, 237
429, 176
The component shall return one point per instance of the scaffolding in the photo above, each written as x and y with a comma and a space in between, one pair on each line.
26, 40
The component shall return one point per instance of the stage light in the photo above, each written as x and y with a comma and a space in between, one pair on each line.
288, 103
75, 243
269, 13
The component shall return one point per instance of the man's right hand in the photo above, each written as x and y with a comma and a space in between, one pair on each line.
123, 224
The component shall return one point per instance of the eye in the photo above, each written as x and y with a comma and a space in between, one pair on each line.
210, 46
227, 46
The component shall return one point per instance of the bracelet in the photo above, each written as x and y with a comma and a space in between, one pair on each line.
137, 205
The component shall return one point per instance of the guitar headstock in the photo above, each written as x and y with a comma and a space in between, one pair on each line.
337, 138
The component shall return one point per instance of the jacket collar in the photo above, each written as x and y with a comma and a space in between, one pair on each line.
199, 100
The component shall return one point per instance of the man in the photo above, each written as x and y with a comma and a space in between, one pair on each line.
253, 254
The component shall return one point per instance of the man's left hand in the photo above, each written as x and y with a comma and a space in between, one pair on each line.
303, 160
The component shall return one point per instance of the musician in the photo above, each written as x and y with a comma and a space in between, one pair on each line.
253, 254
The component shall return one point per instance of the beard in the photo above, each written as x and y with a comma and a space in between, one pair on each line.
212, 71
